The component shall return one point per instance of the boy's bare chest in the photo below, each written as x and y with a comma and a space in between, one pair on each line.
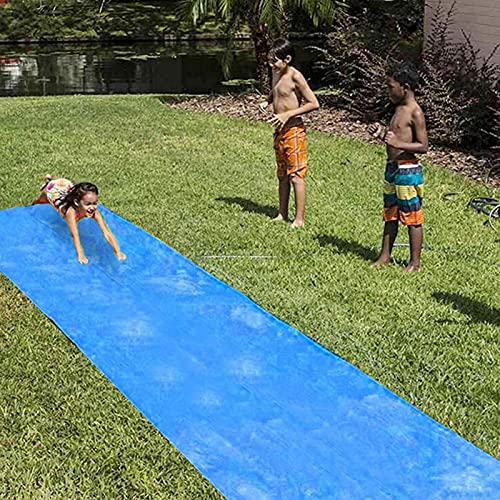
401, 121
283, 87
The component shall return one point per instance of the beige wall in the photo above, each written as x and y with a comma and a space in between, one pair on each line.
478, 18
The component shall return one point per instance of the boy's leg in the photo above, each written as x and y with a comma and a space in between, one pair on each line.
284, 195
410, 191
391, 216
299, 188
294, 162
388, 239
416, 237
284, 182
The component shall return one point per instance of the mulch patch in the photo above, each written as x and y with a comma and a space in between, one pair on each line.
476, 165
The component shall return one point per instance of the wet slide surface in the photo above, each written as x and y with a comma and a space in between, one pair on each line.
260, 409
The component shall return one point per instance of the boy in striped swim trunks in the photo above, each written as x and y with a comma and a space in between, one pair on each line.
291, 97
403, 183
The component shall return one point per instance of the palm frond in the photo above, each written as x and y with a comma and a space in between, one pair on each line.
271, 13
197, 10
318, 10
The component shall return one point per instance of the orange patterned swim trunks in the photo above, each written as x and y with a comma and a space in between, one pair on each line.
291, 152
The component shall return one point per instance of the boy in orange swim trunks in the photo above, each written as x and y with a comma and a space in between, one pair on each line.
291, 97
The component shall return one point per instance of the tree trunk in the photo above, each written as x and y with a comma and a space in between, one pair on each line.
261, 41
285, 23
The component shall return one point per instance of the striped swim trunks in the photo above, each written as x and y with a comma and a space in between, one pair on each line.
403, 192
291, 152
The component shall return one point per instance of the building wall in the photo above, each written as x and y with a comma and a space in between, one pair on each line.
478, 18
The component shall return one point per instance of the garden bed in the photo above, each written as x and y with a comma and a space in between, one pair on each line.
475, 165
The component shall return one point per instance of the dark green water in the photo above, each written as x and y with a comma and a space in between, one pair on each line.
177, 67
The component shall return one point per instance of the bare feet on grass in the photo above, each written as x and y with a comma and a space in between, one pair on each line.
381, 261
279, 218
296, 224
411, 267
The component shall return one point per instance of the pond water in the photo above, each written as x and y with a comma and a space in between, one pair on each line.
170, 67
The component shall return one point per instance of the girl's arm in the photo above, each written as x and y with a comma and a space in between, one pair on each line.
70, 219
108, 235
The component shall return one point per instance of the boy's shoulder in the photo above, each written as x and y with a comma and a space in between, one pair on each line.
417, 110
413, 109
296, 74
298, 78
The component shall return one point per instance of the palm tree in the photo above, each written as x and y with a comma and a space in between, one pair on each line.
265, 18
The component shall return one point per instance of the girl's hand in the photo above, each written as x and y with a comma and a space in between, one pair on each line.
82, 259
121, 256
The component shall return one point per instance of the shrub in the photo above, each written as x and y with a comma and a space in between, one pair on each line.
459, 91
45, 19
354, 69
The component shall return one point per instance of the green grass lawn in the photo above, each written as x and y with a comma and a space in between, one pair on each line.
206, 186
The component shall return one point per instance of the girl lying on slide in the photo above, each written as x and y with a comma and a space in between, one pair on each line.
74, 202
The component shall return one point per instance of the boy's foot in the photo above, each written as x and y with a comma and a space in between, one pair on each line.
278, 218
411, 268
295, 224
381, 261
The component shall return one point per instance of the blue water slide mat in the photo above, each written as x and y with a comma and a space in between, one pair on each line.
259, 408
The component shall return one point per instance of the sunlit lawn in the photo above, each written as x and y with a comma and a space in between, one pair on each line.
205, 185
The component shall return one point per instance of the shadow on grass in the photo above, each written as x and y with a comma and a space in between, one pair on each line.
346, 246
250, 206
477, 311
